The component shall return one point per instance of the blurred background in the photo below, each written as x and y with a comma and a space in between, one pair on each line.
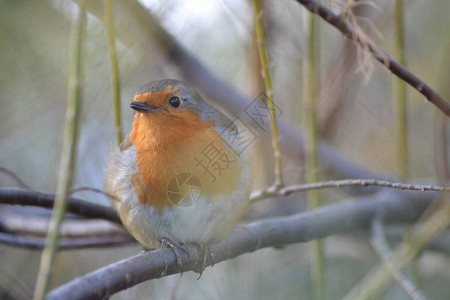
356, 116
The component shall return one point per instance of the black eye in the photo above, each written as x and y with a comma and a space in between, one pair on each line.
175, 102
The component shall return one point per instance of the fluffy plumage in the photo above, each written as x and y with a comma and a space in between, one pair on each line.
169, 143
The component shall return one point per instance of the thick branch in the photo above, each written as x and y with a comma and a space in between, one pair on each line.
344, 217
42, 199
379, 54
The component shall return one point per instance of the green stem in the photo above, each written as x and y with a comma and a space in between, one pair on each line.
68, 156
311, 147
374, 285
115, 83
400, 94
269, 92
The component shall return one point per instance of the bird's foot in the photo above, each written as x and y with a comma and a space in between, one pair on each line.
167, 243
204, 252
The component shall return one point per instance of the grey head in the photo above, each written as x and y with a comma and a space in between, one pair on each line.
190, 98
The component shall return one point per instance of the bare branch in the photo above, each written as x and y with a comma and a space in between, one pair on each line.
14, 177
270, 192
42, 199
340, 22
32, 225
64, 244
375, 283
439, 244
381, 246
394, 206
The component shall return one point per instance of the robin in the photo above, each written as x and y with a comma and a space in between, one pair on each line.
178, 174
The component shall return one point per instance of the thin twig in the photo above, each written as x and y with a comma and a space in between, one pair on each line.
77, 206
94, 190
257, 16
381, 246
68, 156
64, 244
115, 83
303, 227
15, 178
341, 23
263, 194
37, 225
19, 182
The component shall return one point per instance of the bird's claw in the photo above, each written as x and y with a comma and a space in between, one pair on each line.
167, 243
204, 252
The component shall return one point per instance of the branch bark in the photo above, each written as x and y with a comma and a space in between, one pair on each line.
382, 248
393, 206
340, 23
270, 192
18, 223
42, 199
64, 244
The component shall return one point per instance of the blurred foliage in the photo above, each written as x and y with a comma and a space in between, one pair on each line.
34, 40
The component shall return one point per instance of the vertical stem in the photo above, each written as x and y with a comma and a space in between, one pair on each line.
377, 281
400, 94
269, 93
311, 147
115, 84
68, 156
400, 97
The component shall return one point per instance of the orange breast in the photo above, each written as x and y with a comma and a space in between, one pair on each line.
171, 150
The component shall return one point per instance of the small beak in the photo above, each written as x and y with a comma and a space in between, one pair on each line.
142, 107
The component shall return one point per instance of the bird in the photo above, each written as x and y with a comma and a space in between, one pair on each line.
181, 175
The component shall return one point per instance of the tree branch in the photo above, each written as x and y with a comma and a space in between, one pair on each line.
439, 244
340, 22
37, 226
375, 283
270, 192
394, 206
42, 199
381, 246
64, 244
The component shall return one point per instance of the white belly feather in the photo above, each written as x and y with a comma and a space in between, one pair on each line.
204, 221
